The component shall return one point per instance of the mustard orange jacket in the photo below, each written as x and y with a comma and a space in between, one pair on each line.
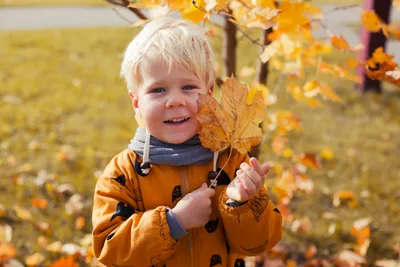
130, 226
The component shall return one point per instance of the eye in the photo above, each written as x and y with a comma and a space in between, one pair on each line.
157, 90
189, 87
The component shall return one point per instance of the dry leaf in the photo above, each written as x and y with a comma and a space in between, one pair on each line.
351, 258
302, 225
80, 223
22, 213
39, 202
387, 263
34, 259
5, 233
43, 226
308, 160
7, 251
65, 262
312, 250
326, 153
340, 196
235, 124
371, 21
340, 43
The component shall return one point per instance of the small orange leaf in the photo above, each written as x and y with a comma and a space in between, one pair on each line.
44, 226
65, 262
7, 251
39, 202
80, 223
343, 195
308, 160
312, 250
371, 21
34, 259
340, 43
326, 153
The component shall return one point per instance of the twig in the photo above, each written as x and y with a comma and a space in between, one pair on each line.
343, 8
121, 16
248, 37
125, 3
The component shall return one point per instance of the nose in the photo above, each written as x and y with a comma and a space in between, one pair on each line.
175, 99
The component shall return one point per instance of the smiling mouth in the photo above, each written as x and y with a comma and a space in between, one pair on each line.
177, 120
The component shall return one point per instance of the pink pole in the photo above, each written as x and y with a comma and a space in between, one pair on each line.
371, 41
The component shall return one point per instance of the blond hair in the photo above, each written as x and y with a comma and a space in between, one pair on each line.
179, 42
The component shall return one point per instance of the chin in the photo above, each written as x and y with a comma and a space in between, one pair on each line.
178, 138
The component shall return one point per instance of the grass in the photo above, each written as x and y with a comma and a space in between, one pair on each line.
62, 97
20, 3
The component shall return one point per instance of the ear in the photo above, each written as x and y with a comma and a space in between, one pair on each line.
211, 90
135, 100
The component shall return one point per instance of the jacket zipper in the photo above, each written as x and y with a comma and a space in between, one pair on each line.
185, 189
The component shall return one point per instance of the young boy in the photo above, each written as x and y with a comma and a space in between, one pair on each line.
152, 205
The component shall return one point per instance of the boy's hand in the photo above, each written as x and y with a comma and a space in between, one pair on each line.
194, 209
249, 180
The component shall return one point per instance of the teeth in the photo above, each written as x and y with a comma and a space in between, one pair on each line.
178, 119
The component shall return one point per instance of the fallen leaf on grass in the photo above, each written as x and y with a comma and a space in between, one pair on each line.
387, 263
310, 253
7, 251
235, 124
5, 233
40, 203
34, 259
65, 262
80, 223
345, 196
22, 213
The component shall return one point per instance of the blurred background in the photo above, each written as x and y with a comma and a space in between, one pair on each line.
65, 112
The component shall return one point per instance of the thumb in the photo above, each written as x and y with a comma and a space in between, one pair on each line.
265, 168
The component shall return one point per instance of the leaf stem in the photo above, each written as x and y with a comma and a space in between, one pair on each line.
229, 157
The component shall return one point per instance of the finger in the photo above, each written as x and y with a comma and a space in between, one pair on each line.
265, 168
256, 165
248, 184
236, 191
253, 175
209, 192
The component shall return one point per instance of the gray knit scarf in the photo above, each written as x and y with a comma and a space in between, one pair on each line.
190, 152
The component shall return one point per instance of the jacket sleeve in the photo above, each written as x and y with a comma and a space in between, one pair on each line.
123, 234
253, 227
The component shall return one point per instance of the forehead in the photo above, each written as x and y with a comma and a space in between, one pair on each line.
155, 68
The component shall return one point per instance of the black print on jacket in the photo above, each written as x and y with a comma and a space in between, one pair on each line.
176, 193
138, 169
120, 179
276, 210
239, 263
223, 178
228, 248
110, 236
215, 260
123, 210
211, 226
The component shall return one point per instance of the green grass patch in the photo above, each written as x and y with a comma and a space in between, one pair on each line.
61, 92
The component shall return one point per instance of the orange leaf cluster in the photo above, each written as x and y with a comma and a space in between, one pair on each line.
382, 67
373, 23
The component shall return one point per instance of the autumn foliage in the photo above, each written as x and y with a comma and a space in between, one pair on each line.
299, 57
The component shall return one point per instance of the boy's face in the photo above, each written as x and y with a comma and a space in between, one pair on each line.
167, 101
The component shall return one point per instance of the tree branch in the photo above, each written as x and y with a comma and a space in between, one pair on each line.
125, 3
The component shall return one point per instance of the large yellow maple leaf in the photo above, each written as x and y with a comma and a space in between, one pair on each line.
233, 123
